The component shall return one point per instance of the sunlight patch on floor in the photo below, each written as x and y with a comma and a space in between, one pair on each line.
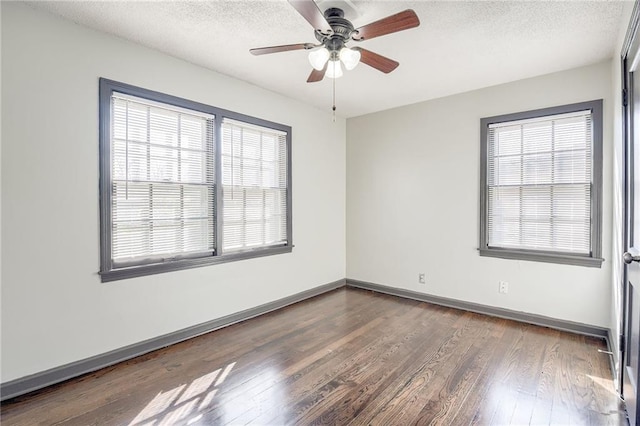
607, 384
177, 404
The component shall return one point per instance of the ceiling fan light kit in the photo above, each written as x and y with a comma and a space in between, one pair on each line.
334, 69
333, 32
349, 57
318, 57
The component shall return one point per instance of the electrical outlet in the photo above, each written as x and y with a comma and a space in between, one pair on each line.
421, 278
503, 287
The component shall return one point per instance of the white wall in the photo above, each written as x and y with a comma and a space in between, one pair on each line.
401, 217
54, 308
413, 197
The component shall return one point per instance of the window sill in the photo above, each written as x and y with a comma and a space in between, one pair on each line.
533, 256
177, 265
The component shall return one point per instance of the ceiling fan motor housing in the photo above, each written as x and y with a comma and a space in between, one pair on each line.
342, 30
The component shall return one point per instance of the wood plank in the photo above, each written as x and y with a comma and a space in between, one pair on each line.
348, 356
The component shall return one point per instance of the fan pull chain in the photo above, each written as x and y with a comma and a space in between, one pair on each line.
334, 100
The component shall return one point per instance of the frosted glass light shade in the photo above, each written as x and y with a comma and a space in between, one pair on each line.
334, 69
319, 57
349, 58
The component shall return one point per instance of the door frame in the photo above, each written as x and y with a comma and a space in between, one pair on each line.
631, 46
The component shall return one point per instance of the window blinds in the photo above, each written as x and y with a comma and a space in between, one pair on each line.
162, 170
539, 183
254, 186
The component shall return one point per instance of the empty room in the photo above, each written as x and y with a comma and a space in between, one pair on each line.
275, 212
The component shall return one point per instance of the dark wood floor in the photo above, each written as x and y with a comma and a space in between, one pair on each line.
347, 357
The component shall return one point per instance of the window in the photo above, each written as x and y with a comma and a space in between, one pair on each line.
184, 184
541, 184
254, 183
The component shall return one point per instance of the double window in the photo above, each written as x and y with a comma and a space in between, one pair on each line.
185, 184
541, 184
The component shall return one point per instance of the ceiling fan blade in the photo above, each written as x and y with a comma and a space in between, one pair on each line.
309, 11
391, 24
283, 48
317, 75
376, 61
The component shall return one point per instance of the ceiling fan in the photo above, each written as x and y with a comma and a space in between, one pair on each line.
333, 32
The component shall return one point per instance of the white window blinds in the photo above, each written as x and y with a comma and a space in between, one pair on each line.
254, 186
539, 183
162, 181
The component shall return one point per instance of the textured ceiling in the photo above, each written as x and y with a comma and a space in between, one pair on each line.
459, 46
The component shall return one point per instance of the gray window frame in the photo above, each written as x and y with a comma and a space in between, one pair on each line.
107, 270
594, 258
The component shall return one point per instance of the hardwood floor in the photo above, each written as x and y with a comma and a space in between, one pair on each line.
347, 357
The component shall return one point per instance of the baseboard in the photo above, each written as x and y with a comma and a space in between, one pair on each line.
613, 357
573, 327
55, 375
